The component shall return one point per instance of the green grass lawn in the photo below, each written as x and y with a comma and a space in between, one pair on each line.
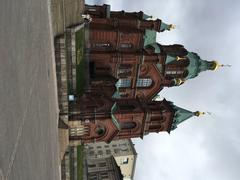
80, 61
80, 155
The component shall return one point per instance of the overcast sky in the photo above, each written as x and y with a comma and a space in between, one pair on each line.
205, 148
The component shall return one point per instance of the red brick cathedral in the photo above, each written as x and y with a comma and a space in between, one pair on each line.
127, 70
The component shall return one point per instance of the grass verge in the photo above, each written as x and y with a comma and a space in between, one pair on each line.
80, 155
80, 61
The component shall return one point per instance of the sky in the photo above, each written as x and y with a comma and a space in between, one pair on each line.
208, 147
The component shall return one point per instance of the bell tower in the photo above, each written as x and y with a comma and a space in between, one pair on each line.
107, 120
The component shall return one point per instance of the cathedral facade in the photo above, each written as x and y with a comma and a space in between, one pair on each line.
127, 69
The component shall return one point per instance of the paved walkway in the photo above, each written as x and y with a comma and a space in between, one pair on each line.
28, 98
66, 13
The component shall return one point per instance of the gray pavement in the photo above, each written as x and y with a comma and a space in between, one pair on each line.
28, 101
66, 13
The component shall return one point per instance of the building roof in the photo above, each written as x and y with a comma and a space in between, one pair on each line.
181, 115
150, 37
145, 16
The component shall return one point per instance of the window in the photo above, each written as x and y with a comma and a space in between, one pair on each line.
127, 125
102, 164
125, 45
125, 149
104, 176
92, 165
100, 152
124, 83
92, 177
125, 161
101, 45
91, 9
116, 151
91, 153
78, 131
108, 151
144, 82
173, 72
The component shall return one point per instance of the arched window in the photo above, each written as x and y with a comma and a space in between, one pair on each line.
144, 82
124, 83
127, 125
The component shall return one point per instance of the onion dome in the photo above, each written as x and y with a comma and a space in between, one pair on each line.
198, 65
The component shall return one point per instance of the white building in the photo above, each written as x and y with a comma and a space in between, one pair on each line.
122, 150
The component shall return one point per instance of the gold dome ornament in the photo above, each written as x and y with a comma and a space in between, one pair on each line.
179, 81
180, 58
171, 26
216, 65
198, 113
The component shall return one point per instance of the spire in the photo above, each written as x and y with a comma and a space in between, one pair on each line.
182, 115
147, 17
167, 27
217, 65
198, 113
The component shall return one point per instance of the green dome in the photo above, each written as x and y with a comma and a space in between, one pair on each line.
198, 65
